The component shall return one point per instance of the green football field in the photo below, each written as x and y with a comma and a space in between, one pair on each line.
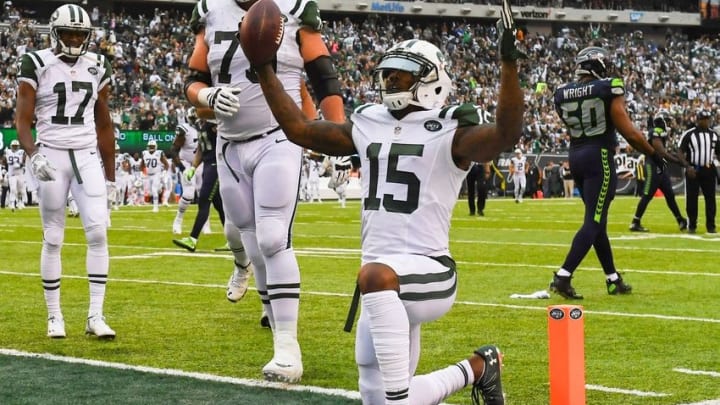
181, 342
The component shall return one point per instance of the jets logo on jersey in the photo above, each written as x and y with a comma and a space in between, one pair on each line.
93, 70
433, 126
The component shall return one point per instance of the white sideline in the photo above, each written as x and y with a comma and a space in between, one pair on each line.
179, 373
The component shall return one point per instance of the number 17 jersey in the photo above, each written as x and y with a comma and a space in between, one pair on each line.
65, 96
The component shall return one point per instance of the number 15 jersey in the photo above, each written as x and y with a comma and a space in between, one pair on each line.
65, 96
410, 182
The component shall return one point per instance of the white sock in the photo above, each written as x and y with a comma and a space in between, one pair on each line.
433, 388
283, 278
50, 273
563, 273
97, 264
612, 277
390, 330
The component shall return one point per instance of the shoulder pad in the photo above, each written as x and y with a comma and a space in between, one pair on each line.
308, 12
29, 64
466, 114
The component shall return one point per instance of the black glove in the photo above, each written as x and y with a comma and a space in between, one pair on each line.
506, 35
660, 162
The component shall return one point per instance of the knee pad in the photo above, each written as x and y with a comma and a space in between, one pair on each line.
54, 236
272, 236
96, 236
188, 193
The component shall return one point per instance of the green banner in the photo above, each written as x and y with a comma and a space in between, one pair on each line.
129, 141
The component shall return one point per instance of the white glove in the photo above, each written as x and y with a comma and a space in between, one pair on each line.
41, 167
223, 100
111, 190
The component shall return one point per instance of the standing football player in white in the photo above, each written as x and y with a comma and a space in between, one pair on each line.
259, 170
67, 89
183, 154
340, 177
153, 163
518, 171
16, 177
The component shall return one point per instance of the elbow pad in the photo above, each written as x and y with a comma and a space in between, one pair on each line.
196, 76
323, 77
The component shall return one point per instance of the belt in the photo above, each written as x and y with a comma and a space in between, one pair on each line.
254, 137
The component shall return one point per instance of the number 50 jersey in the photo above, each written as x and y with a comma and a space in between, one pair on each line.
65, 96
585, 110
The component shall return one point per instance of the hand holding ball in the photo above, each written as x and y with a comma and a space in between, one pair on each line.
261, 32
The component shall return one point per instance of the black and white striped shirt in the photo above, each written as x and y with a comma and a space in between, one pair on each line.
699, 146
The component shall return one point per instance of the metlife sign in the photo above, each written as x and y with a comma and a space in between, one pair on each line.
388, 7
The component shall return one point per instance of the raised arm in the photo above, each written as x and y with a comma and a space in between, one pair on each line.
319, 135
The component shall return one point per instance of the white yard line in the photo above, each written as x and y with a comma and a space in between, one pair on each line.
697, 372
624, 391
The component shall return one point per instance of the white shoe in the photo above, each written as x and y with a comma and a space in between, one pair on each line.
96, 326
156, 209
56, 327
238, 284
286, 365
177, 227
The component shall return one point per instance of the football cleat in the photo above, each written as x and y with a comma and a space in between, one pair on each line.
56, 327
96, 326
187, 242
636, 227
286, 365
561, 285
489, 385
264, 320
618, 287
238, 284
682, 224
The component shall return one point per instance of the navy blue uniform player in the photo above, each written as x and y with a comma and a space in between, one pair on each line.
658, 137
209, 191
593, 108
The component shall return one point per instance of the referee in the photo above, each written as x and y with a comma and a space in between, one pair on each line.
698, 148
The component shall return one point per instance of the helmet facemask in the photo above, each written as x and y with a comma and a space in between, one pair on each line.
427, 65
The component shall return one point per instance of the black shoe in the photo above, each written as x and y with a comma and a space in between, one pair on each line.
489, 386
561, 285
692, 231
482, 214
472, 213
712, 230
618, 287
636, 227
682, 223
265, 321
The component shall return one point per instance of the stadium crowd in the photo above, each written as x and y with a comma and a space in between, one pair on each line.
149, 55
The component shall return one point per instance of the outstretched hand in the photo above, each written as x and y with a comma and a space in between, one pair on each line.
507, 40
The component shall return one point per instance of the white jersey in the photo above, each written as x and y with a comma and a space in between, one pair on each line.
153, 161
15, 161
409, 180
120, 158
187, 150
229, 67
519, 163
340, 171
66, 96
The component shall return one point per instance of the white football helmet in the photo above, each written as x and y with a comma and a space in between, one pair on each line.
429, 66
152, 145
70, 17
14, 144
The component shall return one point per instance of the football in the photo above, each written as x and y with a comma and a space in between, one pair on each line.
261, 32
